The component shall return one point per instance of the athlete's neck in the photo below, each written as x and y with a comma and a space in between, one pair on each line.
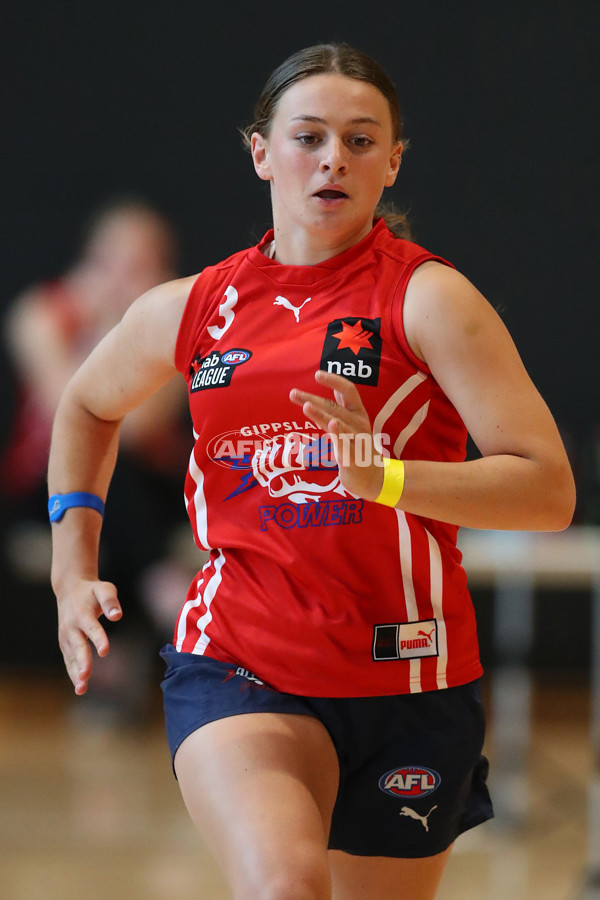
305, 249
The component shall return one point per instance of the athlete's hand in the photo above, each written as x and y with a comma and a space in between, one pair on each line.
345, 419
79, 609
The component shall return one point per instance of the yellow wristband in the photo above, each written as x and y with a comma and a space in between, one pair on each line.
393, 482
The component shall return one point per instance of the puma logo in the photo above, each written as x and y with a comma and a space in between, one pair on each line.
283, 301
425, 634
407, 811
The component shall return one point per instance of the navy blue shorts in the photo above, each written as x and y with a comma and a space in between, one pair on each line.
412, 775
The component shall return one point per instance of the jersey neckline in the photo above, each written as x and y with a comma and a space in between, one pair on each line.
289, 274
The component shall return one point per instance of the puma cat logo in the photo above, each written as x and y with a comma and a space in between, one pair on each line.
283, 301
407, 811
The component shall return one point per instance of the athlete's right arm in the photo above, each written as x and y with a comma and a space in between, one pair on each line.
131, 363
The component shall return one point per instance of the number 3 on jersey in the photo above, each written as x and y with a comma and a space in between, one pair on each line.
226, 313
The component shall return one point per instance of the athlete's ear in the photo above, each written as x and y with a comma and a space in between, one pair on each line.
259, 147
395, 160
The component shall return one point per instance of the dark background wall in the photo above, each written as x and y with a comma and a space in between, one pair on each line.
501, 108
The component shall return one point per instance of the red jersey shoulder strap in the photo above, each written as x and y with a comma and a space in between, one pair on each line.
199, 306
413, 257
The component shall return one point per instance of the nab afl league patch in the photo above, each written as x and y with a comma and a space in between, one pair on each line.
216, 370
352, 348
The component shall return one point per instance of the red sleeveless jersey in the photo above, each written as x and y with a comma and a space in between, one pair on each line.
313, 589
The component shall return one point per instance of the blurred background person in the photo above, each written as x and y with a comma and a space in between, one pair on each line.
127, 247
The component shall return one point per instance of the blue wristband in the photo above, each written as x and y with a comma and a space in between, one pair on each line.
58, 504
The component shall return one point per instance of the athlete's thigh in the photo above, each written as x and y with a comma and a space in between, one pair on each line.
383, 878
261, 787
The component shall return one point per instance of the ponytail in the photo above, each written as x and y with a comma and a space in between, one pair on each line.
395, 220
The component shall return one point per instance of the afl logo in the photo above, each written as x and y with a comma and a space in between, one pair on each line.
235, 357
410, 781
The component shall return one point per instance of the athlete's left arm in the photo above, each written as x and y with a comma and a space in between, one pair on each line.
523, 480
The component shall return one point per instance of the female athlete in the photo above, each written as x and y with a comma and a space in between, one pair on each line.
322, 690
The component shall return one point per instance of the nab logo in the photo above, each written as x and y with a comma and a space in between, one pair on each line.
352, 348
410, 781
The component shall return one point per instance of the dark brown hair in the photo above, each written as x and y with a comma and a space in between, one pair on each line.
340, 59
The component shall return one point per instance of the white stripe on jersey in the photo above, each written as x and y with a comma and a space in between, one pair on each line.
412, 610
209, 593
405, 542
436, 580
407, 432
197, 511
199, 503
393, 402
203, 621
186, 609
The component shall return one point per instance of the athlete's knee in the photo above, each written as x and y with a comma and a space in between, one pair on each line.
286, 890
309, 880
